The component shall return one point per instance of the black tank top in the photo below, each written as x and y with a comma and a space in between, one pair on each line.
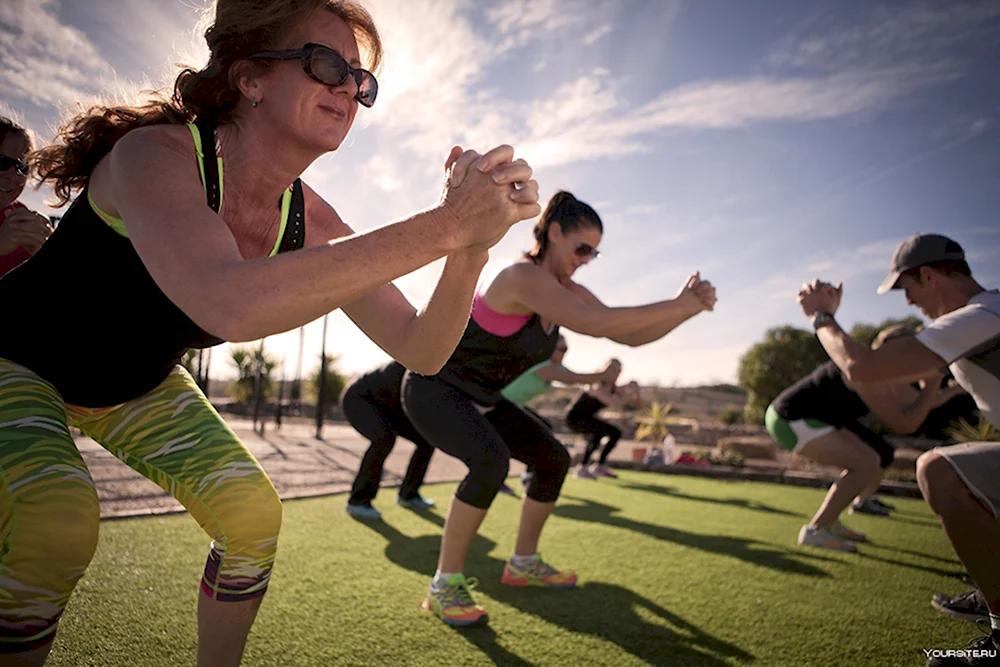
484, 363
821, 395
587, 405
89, 318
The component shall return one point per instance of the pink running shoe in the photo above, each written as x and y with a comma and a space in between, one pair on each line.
584, 473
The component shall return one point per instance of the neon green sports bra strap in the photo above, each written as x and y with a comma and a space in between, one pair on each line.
197, 150
286, 201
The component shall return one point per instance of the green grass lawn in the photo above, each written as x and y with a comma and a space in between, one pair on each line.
673, 571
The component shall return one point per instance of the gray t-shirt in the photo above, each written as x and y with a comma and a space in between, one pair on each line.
969, 340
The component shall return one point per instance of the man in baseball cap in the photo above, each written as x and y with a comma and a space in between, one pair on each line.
961, 483
917, 251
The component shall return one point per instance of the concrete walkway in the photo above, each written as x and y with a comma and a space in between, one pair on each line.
300, 466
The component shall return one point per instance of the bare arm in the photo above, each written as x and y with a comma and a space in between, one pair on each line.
553, 373
902, 407
193, 257
422, 340
649, 333
525, 287
900, 359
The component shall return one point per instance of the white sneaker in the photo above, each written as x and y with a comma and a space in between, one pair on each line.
824, 539
842, 531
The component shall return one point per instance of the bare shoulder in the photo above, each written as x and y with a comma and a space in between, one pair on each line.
155, 141
523, 272
323, 223
158, 158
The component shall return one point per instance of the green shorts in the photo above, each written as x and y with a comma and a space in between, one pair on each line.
793, 435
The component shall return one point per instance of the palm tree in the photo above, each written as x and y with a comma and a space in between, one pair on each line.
654, 422
247, 361
963, 431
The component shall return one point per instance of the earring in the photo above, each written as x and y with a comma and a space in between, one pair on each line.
253, 102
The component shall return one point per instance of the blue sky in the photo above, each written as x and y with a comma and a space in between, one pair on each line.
763, 144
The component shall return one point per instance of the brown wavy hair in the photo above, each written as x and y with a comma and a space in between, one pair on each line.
569, 213
239, 28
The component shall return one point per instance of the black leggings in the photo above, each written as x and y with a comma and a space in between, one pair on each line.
886, 452
581, 419
381, 424
485, 443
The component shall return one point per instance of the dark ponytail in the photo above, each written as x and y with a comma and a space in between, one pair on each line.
569, 213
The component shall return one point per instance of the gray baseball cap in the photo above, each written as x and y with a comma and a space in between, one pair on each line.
918, 250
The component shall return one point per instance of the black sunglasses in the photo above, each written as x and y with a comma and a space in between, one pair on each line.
329, 67
587, 250
20, 166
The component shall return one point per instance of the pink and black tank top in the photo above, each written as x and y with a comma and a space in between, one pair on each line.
495, 349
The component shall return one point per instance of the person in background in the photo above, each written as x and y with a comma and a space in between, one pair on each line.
582, 418
538, 379
818, 418
22, 231
371, 405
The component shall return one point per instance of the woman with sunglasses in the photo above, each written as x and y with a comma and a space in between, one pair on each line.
514, 325
22, 231
192, 227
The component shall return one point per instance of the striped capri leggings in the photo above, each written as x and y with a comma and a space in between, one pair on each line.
49, 515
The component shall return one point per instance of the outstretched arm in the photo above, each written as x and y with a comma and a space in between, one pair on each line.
149, 180
657, 330
554, 373
527, 288
902, 407
900, 359
424, 339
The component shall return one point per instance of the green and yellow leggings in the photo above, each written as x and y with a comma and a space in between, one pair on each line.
49, 515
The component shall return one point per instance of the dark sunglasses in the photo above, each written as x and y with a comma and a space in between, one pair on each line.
329, 67
20, 166
587, 250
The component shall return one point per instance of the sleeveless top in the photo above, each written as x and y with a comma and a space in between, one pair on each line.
529, 384
485, 362
87, 316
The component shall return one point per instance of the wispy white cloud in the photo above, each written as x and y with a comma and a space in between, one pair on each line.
43, 61
591, 116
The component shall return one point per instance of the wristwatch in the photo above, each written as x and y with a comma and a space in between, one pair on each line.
820, 319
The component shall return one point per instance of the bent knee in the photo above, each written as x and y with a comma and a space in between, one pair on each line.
253, 523
556, 462
935, 472
868, 462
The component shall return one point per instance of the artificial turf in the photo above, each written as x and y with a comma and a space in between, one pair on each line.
673, 571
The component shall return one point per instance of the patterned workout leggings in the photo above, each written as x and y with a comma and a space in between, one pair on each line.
49, 513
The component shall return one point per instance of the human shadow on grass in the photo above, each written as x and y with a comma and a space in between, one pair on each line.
956, 572
671, 492
925, 523
911, 552
751, 551
606, 611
